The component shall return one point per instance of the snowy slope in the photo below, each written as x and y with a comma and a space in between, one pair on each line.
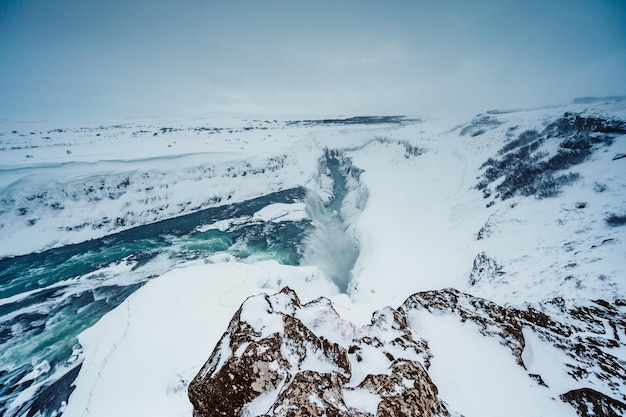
414, 210
424, 217
61, 186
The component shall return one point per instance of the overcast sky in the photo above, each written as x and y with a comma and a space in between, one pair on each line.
107, 59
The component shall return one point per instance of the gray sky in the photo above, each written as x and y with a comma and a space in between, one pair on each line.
106, 59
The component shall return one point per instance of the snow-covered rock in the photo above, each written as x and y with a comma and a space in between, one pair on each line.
280, 357
283, 358
575, 351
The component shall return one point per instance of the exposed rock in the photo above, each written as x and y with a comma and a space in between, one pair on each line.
484, 268
589, 335
524, 168
312, 394
579, 123
281, 358
479, 125
492, 319
488, 228
591, 403
261, 351
407, 391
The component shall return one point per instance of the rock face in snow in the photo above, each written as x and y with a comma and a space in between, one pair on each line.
484, 267
408, 391
590, 403
589, 339
522, 168
281, 358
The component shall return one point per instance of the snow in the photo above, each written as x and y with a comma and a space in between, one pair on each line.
158, 351
262, 403
543, 359
411, 249
52, 203
477, 376
414, 219
254, 313
276, 213
362, 400
282, 212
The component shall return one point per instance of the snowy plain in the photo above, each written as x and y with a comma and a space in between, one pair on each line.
411, 209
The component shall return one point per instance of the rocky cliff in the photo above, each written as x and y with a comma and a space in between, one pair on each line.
280, 357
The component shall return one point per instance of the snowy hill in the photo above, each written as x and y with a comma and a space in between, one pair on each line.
489, 252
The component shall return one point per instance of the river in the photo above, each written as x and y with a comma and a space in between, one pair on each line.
48, 298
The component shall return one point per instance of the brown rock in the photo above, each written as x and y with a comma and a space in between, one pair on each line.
588, 335
407, 391
312, 394
275, 360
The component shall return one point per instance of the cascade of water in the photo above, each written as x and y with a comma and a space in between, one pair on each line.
328, 246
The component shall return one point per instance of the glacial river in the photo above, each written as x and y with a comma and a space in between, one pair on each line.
48, 298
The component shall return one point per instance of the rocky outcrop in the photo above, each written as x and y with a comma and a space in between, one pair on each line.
492, 319
591, 403
281, 358
523, 167
591, 338
312, 393
407, 391
484, 268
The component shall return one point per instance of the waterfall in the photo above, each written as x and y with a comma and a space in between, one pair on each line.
328, 246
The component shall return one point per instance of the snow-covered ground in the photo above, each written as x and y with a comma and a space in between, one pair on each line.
412, 210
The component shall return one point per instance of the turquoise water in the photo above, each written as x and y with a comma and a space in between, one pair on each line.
48, 298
